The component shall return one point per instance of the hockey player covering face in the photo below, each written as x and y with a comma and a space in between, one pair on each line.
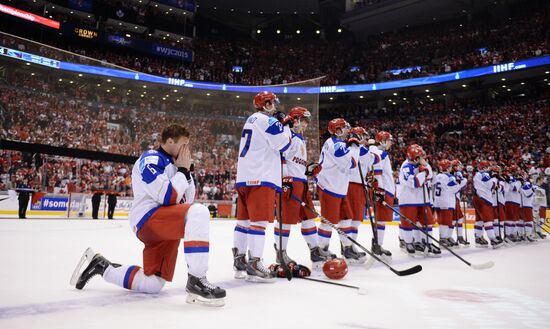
162, 214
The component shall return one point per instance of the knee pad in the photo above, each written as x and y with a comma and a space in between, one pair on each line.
153, 284
197, 223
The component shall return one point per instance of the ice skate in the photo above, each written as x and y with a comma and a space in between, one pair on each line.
239, 264
201, 291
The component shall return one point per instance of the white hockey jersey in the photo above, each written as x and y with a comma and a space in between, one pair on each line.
501, 193
460, 179
528, 195
295, 159
383, 171
156, 182
336, 160
445, 189
485, 187
262, 140
411, 180
540, 197
365, 158
512, 191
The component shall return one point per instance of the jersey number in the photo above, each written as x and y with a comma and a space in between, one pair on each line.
438, 189
247, 133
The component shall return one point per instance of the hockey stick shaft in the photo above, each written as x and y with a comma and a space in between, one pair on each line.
428, 235
371, 218
412, 270
332, 283
288, 274
465, 223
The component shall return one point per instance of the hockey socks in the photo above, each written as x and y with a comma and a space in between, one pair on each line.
132, 277
240, 236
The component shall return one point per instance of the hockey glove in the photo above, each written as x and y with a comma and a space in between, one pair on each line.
287, 187
313, 169
284, 119
379, 195
353, 140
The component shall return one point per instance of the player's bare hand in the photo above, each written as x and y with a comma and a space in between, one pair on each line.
184, 157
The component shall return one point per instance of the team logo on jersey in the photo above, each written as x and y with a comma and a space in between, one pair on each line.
147, 160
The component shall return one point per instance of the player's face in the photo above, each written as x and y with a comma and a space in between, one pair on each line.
301, 125
173, 147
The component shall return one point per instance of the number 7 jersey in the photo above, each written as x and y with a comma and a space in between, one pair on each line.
262, 140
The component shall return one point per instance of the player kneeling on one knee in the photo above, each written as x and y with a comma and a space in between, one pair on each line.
162, 214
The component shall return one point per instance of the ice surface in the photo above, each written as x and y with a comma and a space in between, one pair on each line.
37, 258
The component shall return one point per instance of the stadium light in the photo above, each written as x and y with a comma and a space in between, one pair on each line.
339, 30
278, 31
318, 31
297, 31
258, 31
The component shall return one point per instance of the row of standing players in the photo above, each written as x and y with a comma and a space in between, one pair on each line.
273, 158
273, 150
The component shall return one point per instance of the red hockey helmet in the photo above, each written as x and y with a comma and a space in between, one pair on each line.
299, 112
383, 136
513, 169
264, 97
359, 131
336, 124
335, 269
495, 168
483, 165
415, 151
444, 164
456, 163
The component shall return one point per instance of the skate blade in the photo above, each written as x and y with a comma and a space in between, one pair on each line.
196, 299
387, 259
240, 275
257, 279
86, 258
481, 246
430, 255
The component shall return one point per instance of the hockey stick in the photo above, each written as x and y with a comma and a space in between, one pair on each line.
372, 219
464, 222
474, 266
409, 271
498, 210
288, 274
360, 290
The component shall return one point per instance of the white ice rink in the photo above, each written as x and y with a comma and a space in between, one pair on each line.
37, 258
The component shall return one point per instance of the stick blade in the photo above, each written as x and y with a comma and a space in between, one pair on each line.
409, 271
483, 266
369, 263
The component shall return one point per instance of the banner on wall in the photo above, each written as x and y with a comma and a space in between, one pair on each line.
151, 47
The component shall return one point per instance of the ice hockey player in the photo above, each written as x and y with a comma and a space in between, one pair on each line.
266, 134
384, 186
500, 201
356, 190
414, 202
539, 206
295, 183
445, 189
336, 160
485, 186
162, 214
512, 187
527, 197
458, 219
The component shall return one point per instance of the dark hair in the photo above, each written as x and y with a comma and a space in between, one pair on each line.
174, 131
